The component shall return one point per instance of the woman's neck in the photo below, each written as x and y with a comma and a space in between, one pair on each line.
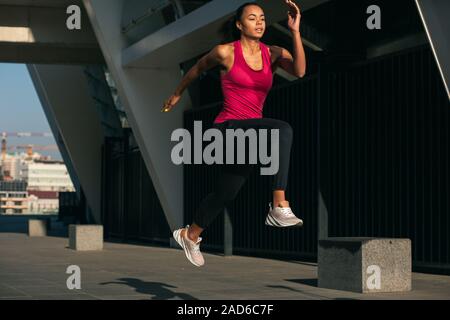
250, 45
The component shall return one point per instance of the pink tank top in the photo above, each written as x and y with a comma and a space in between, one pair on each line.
244, 89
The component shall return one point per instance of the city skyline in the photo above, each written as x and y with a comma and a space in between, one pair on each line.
21, 110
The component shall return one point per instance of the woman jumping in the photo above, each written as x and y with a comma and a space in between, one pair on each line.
247, 67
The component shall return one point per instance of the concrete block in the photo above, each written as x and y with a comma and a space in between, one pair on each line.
38, 227
85, 237
365, 265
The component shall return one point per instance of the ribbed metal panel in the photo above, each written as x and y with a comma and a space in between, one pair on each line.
113, 187
384, 165
384, 158
132, 210
390, 145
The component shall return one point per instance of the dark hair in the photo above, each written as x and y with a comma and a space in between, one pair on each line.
228, 30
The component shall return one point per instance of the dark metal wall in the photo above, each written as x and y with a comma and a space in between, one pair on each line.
384, 158
379, 130
131, 208
388, 138
70, 209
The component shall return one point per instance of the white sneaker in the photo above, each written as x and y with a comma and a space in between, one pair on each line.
282, 217
191, 248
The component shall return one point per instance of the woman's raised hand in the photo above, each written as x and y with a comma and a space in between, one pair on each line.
294, 15
170, 103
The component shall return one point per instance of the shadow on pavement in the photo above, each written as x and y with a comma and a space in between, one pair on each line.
306, 282
157, 290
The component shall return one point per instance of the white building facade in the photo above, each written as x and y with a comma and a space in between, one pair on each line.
46, 176
43, 202
13, 202
11, 166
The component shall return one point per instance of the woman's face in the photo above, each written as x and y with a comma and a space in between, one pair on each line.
253, 22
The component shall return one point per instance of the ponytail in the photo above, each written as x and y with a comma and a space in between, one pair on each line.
229, 31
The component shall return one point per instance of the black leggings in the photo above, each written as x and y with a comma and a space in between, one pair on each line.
233, 176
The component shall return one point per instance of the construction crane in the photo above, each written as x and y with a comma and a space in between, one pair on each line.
31, 147
26, 134
20, 135
49, 147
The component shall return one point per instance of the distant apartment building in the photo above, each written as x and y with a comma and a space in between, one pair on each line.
32, 184
46, 175
43, 201
10, 167
13, 197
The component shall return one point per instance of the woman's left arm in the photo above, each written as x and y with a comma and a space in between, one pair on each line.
295, 65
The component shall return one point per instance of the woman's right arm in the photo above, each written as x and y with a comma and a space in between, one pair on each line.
215, 57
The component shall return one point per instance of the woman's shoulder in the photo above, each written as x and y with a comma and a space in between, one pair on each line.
224, 50
228, 44
226, 47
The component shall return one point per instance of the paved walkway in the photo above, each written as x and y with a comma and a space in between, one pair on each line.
35, 268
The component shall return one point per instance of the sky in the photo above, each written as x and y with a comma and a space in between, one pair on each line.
21, 110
